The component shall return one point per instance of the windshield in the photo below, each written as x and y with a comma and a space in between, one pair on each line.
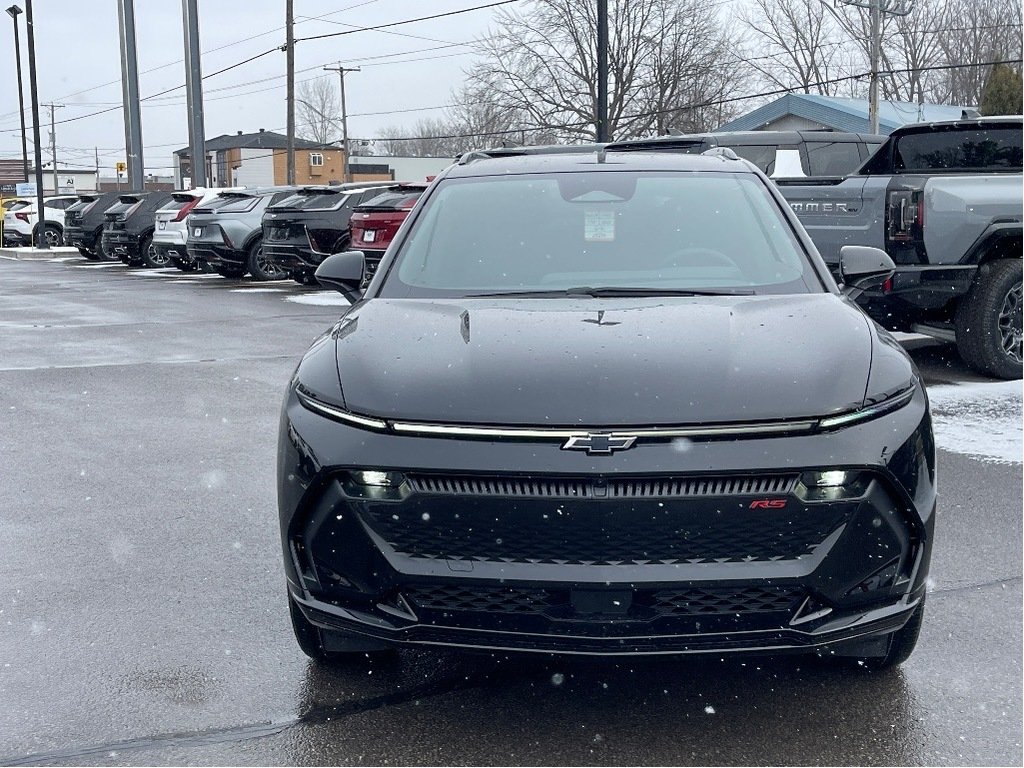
672, 232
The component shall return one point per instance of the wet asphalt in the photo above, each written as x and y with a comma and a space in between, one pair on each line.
142, 602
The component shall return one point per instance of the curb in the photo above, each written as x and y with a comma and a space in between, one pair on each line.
31, 254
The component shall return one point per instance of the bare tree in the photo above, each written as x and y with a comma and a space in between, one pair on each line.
977, 31
795, 44
540, 65
319, 111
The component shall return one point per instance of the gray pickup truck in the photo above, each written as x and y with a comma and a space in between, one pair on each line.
944, 201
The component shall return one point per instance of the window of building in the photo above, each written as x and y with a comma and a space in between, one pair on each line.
316, 158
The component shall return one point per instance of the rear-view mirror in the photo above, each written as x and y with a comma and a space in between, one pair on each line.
863, 267
343, 272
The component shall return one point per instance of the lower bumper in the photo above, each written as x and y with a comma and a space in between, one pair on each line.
828, 634
917, 294
216, 255
122, 246
291, 258
172, 251
15, 239
78, 238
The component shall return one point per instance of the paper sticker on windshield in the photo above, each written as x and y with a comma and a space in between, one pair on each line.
599, 226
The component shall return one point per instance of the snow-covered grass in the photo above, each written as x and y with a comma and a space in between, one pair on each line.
979, 419
320, 299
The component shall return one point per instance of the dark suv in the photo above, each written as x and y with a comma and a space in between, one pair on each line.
226, 234
606, 404
302, 230
83, 223
128, 228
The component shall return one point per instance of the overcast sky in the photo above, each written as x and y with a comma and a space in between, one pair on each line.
79, 66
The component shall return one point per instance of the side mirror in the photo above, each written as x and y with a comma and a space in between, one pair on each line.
862, 267
343, 272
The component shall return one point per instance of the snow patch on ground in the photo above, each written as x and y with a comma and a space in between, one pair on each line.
256, 290
979, 419
320, 299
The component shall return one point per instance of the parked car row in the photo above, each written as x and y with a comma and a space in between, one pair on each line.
269, 233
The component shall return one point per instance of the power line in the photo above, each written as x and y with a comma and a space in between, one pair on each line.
407, 21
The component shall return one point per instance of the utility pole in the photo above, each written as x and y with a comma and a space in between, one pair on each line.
347, 177
194, 91
53, 142
289, 23
14, 11
41, 243
130, 94
876, 8
602, 71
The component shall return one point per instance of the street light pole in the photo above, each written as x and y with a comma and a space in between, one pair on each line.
289, 23
602, 71
41, 243
876, 47
130, 95
194, 92
347, 173
14, 11
53, 142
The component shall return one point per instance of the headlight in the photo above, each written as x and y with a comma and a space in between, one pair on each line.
331, 411
871, 411
831, 485
379, 479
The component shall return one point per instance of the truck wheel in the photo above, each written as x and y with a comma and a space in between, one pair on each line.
988, 321
89, 254
260, 267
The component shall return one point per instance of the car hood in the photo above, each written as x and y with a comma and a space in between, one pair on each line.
604, 362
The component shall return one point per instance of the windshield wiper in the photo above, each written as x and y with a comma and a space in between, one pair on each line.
615, 291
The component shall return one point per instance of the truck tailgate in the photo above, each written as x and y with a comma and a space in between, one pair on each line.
836, 214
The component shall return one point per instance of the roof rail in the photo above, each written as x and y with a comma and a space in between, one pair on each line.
723, 152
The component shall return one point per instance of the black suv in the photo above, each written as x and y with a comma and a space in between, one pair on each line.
83, 223
301, 231
128, 228
607, 404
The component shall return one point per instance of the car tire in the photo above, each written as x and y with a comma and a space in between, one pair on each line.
344, 646
184, 266
151, 258
232, 273
260, 268
54, 237
89, 254
988, 320
900, 645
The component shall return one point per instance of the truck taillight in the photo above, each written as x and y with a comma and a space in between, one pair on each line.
185, 209
906, 215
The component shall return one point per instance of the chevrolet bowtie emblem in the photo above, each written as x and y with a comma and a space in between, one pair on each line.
598, 443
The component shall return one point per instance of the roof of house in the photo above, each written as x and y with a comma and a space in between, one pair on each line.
259, 140
844, 114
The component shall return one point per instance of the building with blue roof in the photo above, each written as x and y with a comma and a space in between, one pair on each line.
809, 111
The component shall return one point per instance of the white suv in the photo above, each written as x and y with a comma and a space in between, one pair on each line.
172, 225
21, 221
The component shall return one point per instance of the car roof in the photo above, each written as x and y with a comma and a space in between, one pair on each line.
504, 162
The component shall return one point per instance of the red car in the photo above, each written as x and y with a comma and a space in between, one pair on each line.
375, 222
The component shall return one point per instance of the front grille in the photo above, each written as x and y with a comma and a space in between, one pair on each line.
572, 533
645, 603
693, 602
487, 599
554, 488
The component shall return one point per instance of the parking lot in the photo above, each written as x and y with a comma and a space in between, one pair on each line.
143, 617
